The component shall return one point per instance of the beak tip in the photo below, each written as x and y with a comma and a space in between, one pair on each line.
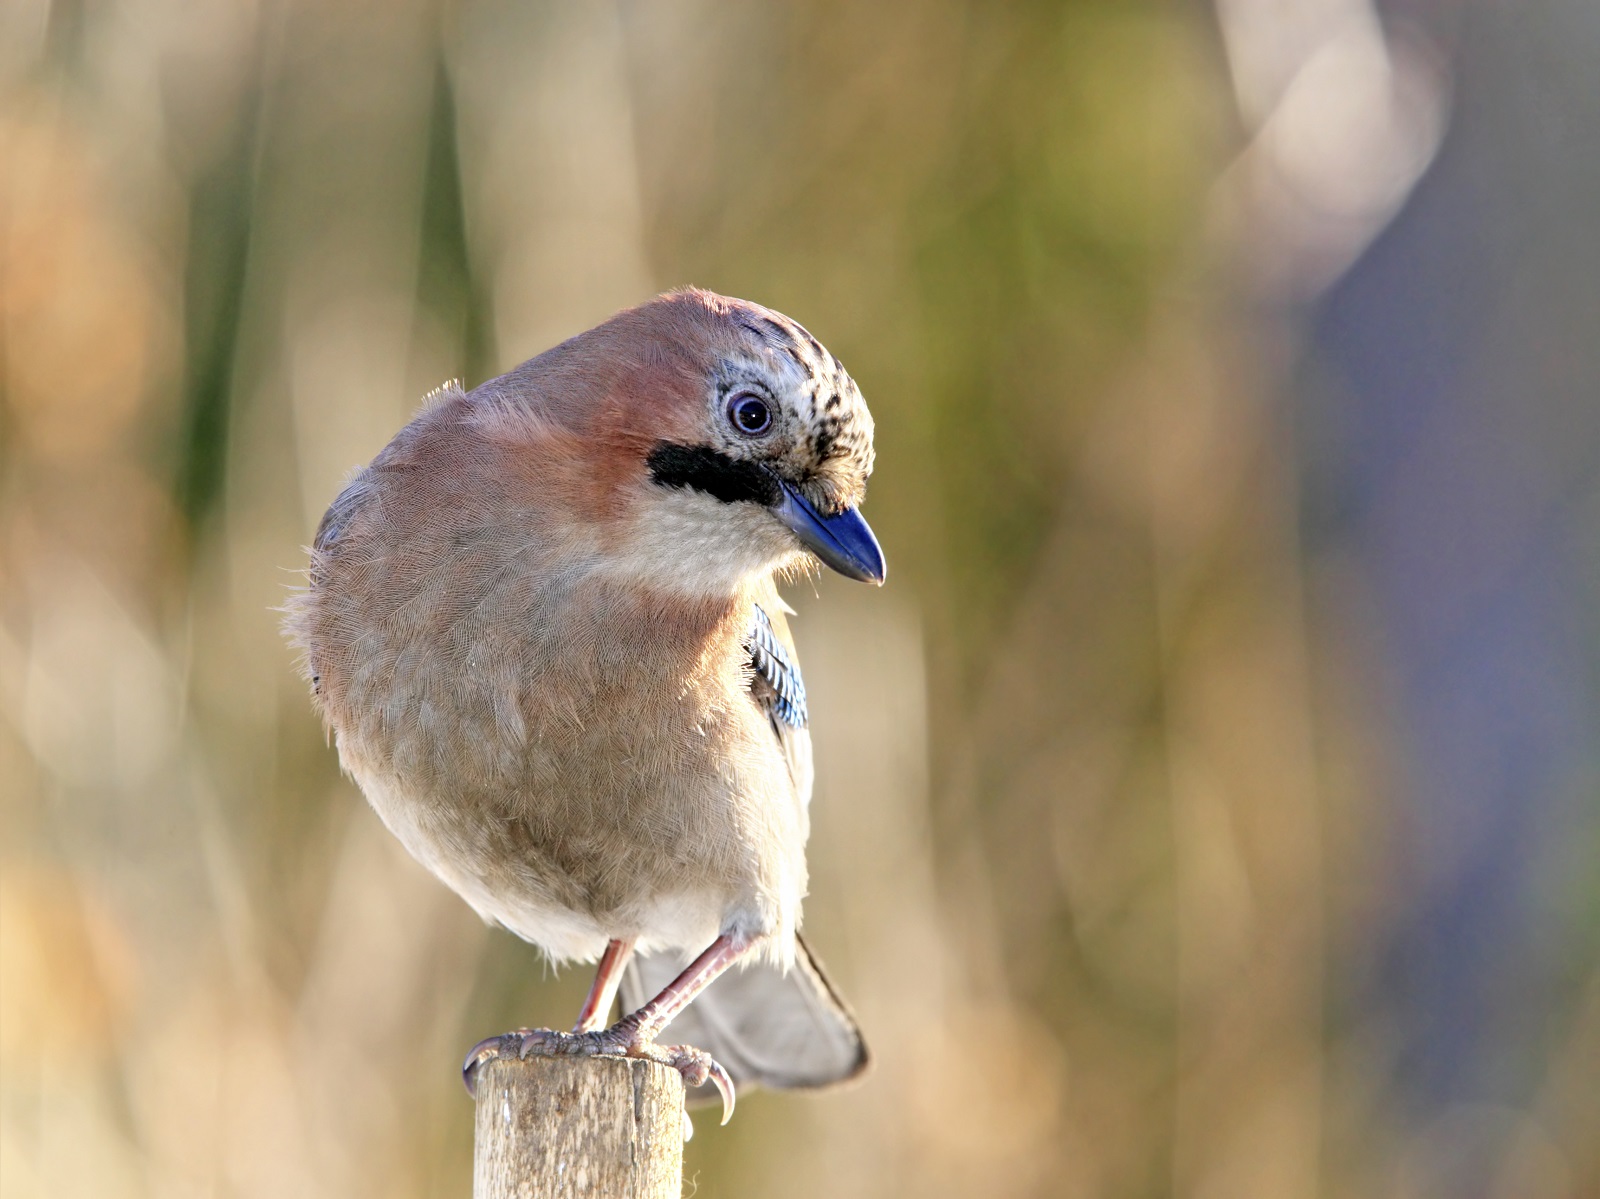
842, 542
868, 567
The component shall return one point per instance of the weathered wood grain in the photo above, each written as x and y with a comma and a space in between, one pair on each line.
578, 1127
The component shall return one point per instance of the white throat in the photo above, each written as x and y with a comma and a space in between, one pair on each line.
695, 544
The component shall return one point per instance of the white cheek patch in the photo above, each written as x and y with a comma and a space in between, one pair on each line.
695, 544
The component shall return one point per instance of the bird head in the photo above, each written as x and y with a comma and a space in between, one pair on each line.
728, 441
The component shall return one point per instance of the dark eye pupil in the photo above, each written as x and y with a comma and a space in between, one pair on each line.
751, 415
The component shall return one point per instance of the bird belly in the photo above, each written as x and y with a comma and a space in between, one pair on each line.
587, 874
576, 766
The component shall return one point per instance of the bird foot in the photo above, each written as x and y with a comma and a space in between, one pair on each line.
695, 1065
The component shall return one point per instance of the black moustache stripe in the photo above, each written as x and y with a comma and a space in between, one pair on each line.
713, 472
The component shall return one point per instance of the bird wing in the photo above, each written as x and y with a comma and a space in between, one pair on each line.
767, 1027
780, 692
776, 682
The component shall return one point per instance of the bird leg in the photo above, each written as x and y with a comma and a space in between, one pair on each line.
633, 1035
607, 978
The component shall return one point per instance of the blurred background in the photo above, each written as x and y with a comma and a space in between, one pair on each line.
1206, 808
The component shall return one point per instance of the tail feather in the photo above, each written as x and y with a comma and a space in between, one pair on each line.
767, 1028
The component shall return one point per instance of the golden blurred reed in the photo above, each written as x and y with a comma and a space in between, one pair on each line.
1084, 821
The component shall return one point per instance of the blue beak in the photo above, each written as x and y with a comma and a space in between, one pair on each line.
844, 542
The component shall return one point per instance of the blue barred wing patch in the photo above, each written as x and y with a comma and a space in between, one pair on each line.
777, 683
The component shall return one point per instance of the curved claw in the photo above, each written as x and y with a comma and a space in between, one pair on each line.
719, 1078
696, 1066
483, 1051
516, 1044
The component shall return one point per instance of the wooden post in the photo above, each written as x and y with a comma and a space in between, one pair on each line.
579, 1127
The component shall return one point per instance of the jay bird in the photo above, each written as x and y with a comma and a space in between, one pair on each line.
543, 628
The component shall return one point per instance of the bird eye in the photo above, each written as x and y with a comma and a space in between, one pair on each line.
749, 414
